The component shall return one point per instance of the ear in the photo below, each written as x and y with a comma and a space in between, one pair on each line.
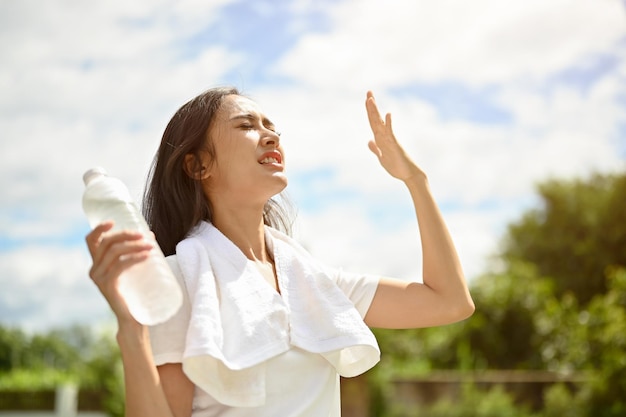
195, 168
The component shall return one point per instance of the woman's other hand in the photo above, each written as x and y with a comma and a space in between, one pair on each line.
114, 252
385, 145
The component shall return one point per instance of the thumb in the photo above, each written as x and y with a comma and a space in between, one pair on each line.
374, 148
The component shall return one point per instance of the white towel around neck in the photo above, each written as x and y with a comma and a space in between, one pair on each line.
238, 321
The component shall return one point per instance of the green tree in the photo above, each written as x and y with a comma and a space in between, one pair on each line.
607, 324
557, 301
578, 230
12, 345
51, 351
503, 333
74, 354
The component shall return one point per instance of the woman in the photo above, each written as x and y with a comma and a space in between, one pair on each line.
264, 330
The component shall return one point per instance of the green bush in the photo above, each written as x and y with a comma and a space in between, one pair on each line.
31, 380
473, 402
76, 356
560, 402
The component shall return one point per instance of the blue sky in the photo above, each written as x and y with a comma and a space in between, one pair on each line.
489, 97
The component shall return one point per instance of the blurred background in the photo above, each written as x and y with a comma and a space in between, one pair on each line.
516, 111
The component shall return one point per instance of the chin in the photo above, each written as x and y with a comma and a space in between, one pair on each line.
280, 186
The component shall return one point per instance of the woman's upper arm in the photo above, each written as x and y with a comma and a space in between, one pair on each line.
399, 304
177, 387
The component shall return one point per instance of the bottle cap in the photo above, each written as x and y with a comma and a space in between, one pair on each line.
92, 174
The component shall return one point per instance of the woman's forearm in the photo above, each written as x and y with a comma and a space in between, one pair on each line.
143, 389
441, 268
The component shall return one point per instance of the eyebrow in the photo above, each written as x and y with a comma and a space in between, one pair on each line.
250, 116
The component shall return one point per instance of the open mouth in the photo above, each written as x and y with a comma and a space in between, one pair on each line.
271, 158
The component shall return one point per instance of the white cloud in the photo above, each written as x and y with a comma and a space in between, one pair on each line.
519, 46
48, 286
344, 235
95, 83
90, 84
479, 42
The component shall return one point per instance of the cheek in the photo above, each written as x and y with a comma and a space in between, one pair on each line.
234, 161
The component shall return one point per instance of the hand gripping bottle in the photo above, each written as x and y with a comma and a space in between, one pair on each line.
149, 288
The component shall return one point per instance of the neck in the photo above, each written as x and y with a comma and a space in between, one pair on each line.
244, 227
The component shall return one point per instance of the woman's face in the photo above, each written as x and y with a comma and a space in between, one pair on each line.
250, 162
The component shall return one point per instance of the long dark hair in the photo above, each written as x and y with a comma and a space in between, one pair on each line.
173, 201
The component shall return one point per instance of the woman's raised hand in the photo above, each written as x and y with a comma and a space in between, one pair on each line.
385, 146
113, 253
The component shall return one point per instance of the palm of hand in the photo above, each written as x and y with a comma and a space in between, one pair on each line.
385, 145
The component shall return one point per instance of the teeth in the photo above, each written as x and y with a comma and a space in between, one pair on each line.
269, 160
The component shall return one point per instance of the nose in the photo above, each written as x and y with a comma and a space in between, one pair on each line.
271, 137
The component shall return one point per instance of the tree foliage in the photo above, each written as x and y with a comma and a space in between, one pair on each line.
76, 355
577, 232
556, 302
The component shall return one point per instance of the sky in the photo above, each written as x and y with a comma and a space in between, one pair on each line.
489, 97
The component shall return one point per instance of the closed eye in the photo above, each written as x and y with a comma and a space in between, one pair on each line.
250, 122
272, 128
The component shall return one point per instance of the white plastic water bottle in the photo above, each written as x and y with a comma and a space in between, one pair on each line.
149, 287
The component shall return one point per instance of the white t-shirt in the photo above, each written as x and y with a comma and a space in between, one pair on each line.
298, 384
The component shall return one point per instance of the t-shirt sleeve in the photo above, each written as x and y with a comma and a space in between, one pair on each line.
359, 288
168, 338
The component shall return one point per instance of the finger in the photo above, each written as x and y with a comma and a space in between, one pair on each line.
110, 238
123, 242
107, 272
94, 237
373, 115
388, 122
113, 237
389, 130
374, 148
116, 253
116, 244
